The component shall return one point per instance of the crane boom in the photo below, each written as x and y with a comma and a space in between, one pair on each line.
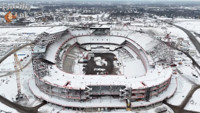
18, 68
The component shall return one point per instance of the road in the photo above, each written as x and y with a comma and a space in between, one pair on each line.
19, 108
11, 72
187, 54
180, 109
191, 36
11, 52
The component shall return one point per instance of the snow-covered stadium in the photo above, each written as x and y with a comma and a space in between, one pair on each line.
99, 67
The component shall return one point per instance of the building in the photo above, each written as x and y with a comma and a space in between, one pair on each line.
81, 70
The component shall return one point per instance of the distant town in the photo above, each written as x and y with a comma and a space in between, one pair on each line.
99, 56
84, 14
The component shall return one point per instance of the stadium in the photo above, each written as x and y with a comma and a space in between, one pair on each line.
99, 68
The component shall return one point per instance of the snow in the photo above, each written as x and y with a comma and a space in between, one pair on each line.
5, 108
64, 102
193, 26
6, 64
100, 62
20, 30
190, 73
102, 102
183, 88
78, 68
100, 39
50, 108
141, 39
138, 70
175, 32
18, 35
190, 24
80, 32
153, 77
56, 29
53, 48
165, 95
8, 87
9, 82
194, 102
60, 78
132, 67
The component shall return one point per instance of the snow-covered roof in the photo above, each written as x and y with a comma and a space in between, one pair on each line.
152, 78
60, 78
105, 101
56, 29
53, 48
101, 27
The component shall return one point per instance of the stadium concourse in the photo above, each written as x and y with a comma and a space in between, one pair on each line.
100, 67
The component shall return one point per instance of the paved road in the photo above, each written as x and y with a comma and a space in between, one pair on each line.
19, 108
11, 72
197, 34
187, 99
180, 109
11, 52
187, 54
191, 36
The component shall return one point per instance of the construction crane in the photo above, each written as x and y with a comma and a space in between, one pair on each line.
171, 53
168, 37
18, 68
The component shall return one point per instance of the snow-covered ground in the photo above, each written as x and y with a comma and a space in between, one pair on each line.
8, 64
15, 36
23, 30
20, 35
8, 85
194, 102
183, 88
190, 24
193, 26
50, 108
6, 109
132, 67
9, 36
9, 82
190, 73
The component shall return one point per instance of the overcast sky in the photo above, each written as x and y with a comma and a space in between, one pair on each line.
154, 1
133, 0
114, 0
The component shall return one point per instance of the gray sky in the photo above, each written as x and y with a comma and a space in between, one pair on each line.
133, 0
116, 0
113, 0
